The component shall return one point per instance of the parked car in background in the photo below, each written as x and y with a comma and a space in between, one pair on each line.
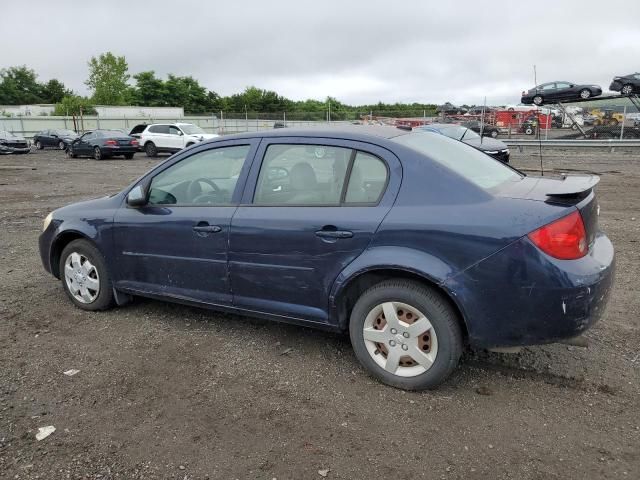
168, 137
12, 143
626, 84
559, 91
101, 144
414, 243
59, 139
490, 146
487, 130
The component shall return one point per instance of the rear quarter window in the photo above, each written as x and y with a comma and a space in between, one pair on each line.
466, 161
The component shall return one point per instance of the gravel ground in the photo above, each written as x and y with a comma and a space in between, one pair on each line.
167, 391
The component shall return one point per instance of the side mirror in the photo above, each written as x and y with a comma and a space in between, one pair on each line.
137, 197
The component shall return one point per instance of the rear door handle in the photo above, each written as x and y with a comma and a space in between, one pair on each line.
334, 234
207, 228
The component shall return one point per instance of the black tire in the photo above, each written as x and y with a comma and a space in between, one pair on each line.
39, 145
529, 131
494, 133
104, 299
128, 156
626, 89
437, 309
97, 153
538, 100
61, 145
70, 153
150, 149
585, 93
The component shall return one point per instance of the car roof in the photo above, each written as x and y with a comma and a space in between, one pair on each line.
351, 132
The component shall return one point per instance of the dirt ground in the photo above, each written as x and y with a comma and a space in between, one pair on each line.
167, 391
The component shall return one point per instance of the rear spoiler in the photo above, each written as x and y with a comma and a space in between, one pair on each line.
573, 186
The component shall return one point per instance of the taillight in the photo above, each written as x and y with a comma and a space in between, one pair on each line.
134, 142
565, 238
110, 142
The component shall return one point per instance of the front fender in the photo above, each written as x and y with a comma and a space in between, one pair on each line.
402, 259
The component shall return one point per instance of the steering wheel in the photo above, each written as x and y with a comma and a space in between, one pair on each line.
194, 190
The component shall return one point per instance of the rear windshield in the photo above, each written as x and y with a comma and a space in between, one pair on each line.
466, 161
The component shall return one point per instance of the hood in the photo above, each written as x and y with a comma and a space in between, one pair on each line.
204, 136
88, 206
488, 144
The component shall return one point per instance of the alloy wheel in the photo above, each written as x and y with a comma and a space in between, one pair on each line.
626, 90
82, 278
61, 145
97, 154
585, 93
400, 339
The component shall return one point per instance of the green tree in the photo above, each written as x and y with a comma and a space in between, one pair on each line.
149, 90
187, 93
73, 105
19, 86
53, 91
108, 79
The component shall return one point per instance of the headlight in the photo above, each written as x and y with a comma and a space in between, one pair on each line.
491, 152
47, 221
505, 150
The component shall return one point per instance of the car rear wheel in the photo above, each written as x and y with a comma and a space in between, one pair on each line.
406, 334
61, 145
70, 153
84, 276
151, 150
585, 93
97, 153
39, 145
627, 89
538, 100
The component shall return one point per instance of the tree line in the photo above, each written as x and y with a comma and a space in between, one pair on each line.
110, 83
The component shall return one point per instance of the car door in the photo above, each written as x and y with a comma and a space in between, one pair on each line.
310, 207
565, 91
176, 245
175, 138
549, 91
83, 146
43, 136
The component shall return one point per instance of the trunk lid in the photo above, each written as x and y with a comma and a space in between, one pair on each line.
570, 190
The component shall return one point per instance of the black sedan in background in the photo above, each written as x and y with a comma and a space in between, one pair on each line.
60, 139
626, 84
487, 130
559, 91
101, 144
490, 146
11, 143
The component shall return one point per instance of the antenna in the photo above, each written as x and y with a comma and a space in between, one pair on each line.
535, 82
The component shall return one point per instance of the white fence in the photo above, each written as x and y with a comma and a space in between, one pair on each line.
29, 126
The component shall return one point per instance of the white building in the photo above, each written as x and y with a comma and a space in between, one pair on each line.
26, 110
141, 112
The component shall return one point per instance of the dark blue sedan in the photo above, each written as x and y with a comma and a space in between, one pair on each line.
415, 243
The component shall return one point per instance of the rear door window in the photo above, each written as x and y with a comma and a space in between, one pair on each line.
367, 180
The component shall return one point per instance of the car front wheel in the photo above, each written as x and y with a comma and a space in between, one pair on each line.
585, 93
406, 334
538, 100
84, 276
39, 145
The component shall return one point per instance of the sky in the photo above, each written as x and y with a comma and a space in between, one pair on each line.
359, 52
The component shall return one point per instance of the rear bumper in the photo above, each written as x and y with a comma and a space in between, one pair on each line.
119, 150
520, 296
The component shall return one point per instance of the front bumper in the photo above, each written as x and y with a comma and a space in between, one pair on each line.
7, 150
520, 296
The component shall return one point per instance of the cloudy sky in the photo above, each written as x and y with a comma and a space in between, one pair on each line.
358, 51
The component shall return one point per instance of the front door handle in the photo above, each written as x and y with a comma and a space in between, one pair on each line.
207, 228
334, 234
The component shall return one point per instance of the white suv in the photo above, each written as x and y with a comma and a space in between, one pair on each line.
168, 137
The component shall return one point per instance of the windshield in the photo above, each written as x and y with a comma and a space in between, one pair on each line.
66, 133
466, 161
190, 129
